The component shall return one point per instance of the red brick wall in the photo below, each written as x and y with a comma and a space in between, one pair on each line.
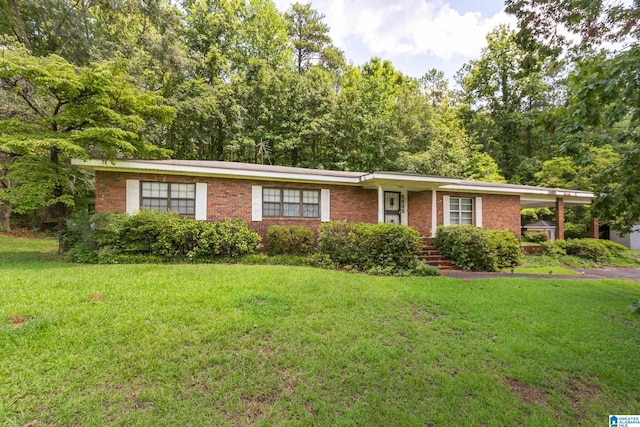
499, 212
231, 199
419, 207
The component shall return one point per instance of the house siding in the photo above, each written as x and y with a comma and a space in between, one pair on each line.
229, 198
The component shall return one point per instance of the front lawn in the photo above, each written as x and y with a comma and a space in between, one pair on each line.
269, 345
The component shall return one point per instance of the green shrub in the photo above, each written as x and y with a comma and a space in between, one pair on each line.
478, 249
289, 240
574, 230
337, 239
467, 247
536, 236
595, 250
150, 236
507, 247
388, 249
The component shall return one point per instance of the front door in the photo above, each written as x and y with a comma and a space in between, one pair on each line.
392, 207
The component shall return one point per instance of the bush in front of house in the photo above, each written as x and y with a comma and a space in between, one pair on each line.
507, 247
535, 236
574, 230
289, 240
478, 249
596, 250
120, 238
384, 249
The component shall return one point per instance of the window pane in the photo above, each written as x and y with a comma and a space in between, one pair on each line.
291, 209
154, 189
466, 218
271, 195
291, 196
454, 204
183, 206
467, 204
183, 191
310, 197
311, 210
159, 205
271, 209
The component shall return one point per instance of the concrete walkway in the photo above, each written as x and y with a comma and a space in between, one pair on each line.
581, 274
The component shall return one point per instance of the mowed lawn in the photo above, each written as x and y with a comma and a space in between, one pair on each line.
271, 345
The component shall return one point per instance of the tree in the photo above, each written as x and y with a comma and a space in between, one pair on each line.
310, 37
506, 90
59, 111
603, 105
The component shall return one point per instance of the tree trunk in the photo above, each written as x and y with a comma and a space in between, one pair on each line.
6, 208
60, 209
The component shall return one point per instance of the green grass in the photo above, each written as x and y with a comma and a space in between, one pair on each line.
273, 345
541, 270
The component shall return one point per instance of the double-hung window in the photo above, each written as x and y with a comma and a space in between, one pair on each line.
290, 203
166, 196
461, 211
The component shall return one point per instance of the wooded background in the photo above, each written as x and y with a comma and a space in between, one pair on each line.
554, 102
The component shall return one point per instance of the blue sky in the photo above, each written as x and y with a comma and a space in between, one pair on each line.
416, 35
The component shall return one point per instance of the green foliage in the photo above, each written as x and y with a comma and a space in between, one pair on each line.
478, 249
574, 231
595, 250
289, 240
385, 249
535, 236
507, 247
153, 236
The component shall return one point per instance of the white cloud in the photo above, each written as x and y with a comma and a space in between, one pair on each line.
419, 34
411, 27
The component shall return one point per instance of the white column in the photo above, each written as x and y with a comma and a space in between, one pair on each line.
404, 212
380, 204
434, 213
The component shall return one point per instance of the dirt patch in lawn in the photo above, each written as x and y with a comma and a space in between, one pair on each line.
580, 391
527, 393
16, 320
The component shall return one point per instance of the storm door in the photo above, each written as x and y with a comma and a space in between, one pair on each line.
392, 207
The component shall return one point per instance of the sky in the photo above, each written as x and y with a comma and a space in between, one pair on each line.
415, 35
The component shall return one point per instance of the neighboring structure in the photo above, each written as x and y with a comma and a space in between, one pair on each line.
631, 240
543, 226
264, 195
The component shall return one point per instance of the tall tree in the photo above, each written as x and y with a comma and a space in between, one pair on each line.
310, 37
59, 111
603, 100
506, 90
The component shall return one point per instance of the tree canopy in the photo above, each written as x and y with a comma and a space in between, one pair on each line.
553, 102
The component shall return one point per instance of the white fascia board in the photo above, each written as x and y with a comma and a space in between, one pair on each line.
407, 178
530, 190
143, 167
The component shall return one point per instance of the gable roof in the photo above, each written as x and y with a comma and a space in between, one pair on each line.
529, 195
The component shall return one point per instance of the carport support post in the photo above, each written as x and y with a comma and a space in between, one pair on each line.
560, 218
595, 228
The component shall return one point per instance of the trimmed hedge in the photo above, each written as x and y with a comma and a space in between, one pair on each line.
596, 250
289, 240
119, 238
478, 249
386, 249
535, 236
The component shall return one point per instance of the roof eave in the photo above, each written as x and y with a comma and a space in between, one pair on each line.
133, 166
